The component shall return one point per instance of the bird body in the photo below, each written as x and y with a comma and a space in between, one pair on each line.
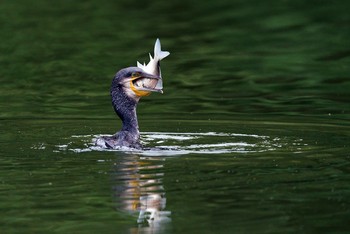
128, 86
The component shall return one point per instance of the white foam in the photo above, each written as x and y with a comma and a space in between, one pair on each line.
173, 144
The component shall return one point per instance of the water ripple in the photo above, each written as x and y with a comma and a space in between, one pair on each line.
171, 144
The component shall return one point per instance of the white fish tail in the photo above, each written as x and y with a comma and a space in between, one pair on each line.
158, 53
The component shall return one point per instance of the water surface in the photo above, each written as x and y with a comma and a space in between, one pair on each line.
251, 134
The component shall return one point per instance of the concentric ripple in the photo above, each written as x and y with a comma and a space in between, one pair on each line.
168, 143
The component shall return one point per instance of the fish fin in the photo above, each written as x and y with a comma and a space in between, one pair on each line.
158, 53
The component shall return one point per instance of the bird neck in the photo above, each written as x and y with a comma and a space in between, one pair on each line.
130, 122
125, 107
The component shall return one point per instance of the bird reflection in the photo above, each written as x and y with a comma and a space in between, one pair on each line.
139, 191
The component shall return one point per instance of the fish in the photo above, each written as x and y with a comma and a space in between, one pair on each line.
153, 67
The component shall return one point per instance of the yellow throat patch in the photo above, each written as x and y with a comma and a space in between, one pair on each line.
138, 93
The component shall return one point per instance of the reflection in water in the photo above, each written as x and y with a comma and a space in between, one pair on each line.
139, 191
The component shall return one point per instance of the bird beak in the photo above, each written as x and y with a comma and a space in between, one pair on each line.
143, 84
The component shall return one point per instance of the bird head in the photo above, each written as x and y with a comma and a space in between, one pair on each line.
136, 83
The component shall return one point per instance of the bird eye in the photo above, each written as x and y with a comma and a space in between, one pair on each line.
135, 74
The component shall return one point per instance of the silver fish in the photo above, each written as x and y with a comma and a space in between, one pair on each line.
153, 67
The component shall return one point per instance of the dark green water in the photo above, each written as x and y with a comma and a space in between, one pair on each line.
251, 134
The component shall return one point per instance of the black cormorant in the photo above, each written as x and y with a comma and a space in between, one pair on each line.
128, 86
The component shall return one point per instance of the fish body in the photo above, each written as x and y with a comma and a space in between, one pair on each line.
153, 67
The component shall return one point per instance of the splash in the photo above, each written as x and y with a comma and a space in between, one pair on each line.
172, 144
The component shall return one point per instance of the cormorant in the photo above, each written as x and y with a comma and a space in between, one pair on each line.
128, 86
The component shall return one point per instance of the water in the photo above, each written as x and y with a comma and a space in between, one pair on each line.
250, 136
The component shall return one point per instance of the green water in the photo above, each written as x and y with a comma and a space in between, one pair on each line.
251, 134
